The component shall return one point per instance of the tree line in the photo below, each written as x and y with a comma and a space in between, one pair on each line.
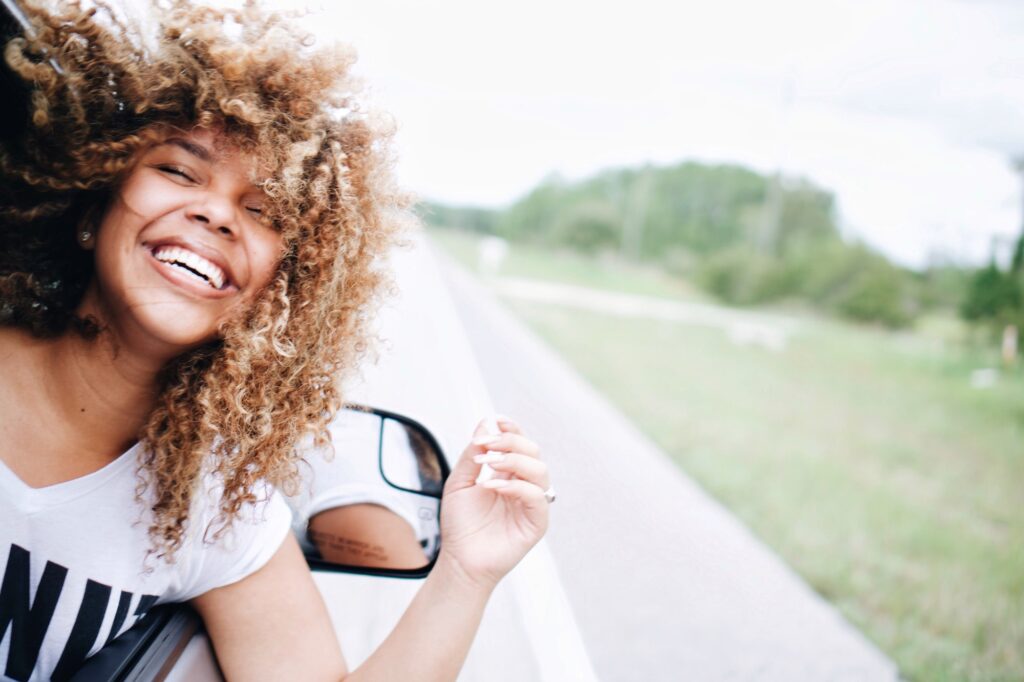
746, 237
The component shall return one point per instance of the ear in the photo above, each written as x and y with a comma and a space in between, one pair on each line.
86, 238
85, 233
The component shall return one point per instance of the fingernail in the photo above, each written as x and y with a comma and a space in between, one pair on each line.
489, 458
496, 483
486, 440
503, 418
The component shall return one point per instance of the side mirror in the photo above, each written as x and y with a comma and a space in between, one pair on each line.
374, 506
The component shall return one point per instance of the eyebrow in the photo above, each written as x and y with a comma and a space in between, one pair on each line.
192, 148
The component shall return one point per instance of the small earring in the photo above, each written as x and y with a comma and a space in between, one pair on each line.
85, 236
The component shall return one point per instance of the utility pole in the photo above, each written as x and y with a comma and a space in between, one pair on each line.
769, 234
637, 200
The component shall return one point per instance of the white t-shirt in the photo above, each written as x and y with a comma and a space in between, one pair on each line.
353, 476
75, 570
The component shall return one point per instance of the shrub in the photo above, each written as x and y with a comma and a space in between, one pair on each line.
744, 277
589, 227
877, 293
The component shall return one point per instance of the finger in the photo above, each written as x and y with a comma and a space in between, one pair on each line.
519, 465
466, 471
530, 495
508, 442
481, 429
507, 425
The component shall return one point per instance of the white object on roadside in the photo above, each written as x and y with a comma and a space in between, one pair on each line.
1010, 344
984, 378
491, 253
744, 333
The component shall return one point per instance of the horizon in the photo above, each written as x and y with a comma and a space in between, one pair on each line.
932, 260
906, 113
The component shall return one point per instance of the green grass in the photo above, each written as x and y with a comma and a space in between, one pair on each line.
863, 457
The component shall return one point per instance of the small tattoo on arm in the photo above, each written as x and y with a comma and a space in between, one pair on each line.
348, 545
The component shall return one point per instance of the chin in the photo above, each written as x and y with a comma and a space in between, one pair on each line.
176, 326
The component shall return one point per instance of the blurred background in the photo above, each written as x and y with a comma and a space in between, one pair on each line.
786, 239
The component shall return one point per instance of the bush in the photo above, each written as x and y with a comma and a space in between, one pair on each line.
850, 280
877, 293
680, 262
588, 227
744, 277
857, 283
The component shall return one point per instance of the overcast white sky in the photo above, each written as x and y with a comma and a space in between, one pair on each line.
907, 110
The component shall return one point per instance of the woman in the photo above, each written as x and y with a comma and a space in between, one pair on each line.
192, 234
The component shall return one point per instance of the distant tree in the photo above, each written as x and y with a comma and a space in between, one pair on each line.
941, 286
991, 294
531, 217
746, 238
1017, 261
806, 218
469, 218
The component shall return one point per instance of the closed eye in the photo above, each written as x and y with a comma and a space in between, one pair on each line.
176, 170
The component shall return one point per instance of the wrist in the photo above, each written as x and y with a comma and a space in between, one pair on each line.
453, 572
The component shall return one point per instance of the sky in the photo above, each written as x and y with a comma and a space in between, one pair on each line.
909, 111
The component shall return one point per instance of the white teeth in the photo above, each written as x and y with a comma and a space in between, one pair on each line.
177, 255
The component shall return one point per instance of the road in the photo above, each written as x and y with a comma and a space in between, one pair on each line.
664, 583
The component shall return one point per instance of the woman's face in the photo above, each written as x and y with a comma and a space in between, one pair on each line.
182, 244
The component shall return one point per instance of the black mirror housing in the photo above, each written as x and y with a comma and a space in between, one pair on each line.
373, 508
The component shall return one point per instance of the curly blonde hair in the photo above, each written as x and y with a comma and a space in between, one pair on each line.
242, 404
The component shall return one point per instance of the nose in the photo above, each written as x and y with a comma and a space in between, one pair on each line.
216, 213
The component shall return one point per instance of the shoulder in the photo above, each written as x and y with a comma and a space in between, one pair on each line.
217, 551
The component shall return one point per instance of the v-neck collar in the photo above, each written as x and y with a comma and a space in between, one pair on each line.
27, 498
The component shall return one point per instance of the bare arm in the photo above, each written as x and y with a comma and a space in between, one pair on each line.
261, 631
274, 625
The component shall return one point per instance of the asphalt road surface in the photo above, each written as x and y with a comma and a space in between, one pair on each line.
664, 583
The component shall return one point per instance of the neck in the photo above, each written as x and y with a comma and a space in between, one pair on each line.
101, 389
104, 388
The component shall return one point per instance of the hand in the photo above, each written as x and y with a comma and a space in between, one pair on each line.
487, 528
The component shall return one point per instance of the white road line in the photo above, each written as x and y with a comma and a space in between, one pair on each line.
550, 627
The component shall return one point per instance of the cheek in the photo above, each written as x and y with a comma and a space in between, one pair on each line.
265, 255
134, 204
113, 239
140, 196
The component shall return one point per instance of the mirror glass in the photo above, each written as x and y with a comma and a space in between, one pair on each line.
374, 503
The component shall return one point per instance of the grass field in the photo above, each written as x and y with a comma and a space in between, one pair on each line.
863, 457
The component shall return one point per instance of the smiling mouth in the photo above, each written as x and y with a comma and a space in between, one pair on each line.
192, 264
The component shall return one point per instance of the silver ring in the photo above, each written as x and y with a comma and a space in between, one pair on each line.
549, 494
